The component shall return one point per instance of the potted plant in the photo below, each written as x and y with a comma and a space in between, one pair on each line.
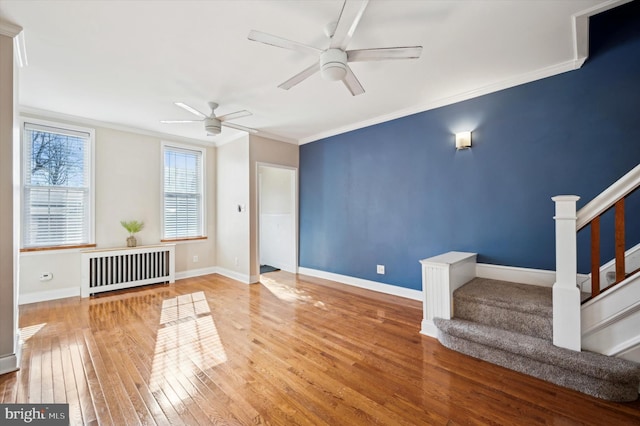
132, 226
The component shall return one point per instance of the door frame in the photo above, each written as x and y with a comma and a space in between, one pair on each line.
293, 262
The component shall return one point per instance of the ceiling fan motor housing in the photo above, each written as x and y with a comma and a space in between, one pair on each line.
212, 125
333, 64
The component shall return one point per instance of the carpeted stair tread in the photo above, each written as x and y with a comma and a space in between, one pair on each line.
504, 294
586, 363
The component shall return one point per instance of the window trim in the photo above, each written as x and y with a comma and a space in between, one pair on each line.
203, 197
92, 181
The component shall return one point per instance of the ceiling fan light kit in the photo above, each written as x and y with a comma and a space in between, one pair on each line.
333, 64
213, 126
333, 61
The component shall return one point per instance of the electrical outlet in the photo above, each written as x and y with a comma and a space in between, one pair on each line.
380, 269
236, 261
46, 276
195, 259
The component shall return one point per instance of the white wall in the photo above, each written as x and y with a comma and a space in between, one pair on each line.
232, 225
275, 193
127, 187
277, 218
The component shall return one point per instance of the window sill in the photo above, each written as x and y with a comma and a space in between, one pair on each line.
183, 240
51, 248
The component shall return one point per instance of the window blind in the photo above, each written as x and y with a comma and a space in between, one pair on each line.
56, 185
182, 198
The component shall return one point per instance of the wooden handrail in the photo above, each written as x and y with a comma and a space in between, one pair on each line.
603, 202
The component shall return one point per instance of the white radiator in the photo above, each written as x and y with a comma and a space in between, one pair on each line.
114, 269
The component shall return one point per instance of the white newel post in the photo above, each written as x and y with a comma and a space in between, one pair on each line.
566, 294
441, 276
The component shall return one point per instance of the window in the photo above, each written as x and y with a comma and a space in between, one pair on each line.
57, 180
182, 200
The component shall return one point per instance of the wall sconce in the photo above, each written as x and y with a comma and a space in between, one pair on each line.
463, 140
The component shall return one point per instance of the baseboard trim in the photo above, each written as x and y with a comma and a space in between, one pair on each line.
497, 272
393, 290
429, 328
9, 363
196, 272
529, 276
44, 296
243, 278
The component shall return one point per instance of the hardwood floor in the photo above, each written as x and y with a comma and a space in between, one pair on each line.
291, 350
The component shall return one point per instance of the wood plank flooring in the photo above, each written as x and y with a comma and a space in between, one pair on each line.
291, 350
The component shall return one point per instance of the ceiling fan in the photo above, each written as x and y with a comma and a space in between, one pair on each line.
212, 123
332, 62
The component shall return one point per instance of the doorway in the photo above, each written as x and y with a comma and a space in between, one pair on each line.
277, 218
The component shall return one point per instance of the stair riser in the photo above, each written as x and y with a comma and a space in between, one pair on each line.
519, 322
559, 376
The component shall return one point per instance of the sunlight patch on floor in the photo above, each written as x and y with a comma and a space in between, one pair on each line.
187, 341
287, 293
27, 332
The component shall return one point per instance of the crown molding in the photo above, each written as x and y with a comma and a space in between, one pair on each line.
580, 23
107, 125
8, 29
130, 129
273, 136
580, 27
463, 96
262, 134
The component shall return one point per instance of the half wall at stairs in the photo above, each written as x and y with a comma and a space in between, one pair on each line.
398, 192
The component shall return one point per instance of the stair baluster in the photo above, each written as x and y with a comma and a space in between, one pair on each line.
619, 236
595, 256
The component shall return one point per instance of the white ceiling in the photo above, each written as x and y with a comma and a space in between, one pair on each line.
126, 62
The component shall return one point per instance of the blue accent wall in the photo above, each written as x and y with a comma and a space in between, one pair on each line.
398, 192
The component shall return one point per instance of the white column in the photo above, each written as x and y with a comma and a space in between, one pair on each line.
566, 294
441, 276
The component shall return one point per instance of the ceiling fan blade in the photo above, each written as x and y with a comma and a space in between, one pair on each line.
352, 11
190, 109
239, 127
234, 115
179, 121
352, 83
276, 41
308, 72
408, 52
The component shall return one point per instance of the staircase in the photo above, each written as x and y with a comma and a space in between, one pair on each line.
510, 324
589, 342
